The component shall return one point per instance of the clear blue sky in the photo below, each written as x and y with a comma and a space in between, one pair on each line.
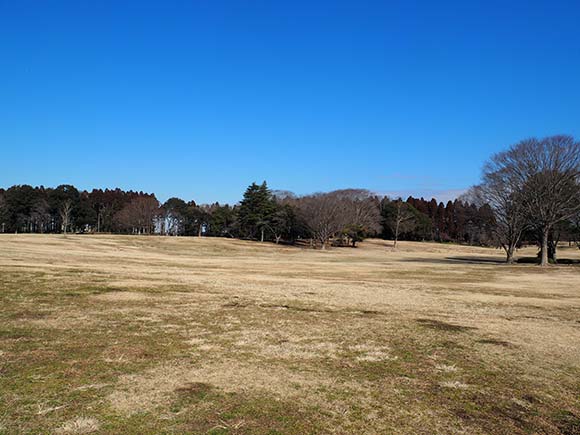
198, 99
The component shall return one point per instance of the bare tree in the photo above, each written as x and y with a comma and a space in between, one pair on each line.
281, 195
549, 171
40, 215
350, 212
65, 212
139, 215
399, 217
502, 190
360, 211
322, 215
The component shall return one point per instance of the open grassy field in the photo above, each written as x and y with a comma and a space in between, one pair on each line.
152, 335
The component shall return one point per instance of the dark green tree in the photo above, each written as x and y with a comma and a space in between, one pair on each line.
354, 233
256, 211
223, 220
284, 223
85, 214
19, 204
174, 212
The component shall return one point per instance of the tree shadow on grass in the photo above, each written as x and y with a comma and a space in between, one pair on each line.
534, 260
487, 260
455, 260
443, 326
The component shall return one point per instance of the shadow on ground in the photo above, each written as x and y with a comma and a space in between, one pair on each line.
452, 260
485, 260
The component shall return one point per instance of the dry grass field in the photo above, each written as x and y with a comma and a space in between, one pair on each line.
152, 335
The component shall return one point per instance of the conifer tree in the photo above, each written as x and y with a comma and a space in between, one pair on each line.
256, 210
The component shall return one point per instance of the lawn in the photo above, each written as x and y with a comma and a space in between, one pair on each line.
156, 335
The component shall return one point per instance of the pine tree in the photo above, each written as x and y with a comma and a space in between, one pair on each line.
256, 210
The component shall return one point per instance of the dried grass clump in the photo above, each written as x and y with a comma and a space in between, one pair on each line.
79, 425
455, 385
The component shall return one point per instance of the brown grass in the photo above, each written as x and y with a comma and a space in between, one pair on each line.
113, 334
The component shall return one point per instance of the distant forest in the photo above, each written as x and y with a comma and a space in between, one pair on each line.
345, 216
529, 193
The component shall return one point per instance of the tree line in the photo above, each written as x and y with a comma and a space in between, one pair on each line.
529, 193
342, 217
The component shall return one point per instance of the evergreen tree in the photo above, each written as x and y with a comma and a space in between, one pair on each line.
256, 211
223, 220
284, 223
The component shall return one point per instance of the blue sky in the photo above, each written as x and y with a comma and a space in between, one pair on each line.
198, 99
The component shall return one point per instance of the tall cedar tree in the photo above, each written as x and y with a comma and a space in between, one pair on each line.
256, 210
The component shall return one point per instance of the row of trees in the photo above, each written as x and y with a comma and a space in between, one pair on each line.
345, 217
46, 210
27, 209
530, 192
342, 217
458, 221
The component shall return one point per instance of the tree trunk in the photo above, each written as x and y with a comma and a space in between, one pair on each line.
553, 248
262, 235
552, 251
510, 255
544, 257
